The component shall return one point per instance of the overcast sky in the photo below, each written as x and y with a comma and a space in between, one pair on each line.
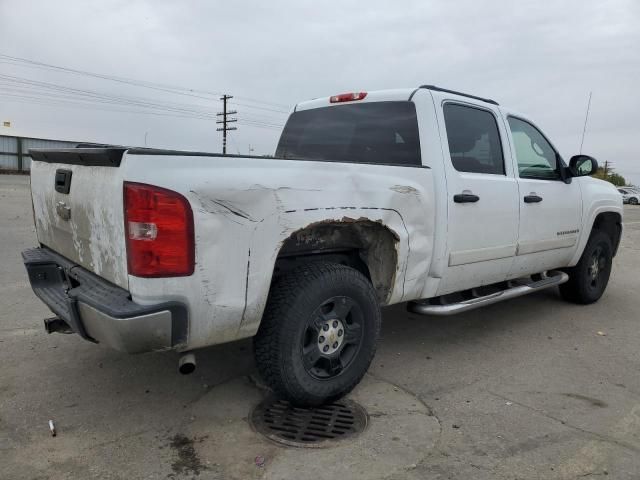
539, 58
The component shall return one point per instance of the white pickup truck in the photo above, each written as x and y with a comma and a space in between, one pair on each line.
440, 199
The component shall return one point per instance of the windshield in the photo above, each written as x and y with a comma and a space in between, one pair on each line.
380, 132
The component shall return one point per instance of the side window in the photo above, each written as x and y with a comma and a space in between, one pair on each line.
536, 157
474, 140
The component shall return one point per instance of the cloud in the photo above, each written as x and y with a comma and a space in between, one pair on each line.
539, 58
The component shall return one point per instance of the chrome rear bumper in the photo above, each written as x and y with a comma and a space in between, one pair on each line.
100, 311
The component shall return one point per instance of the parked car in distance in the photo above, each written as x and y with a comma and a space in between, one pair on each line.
629, 196
443, 200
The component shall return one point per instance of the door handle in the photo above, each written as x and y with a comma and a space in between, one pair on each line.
465, 198
532, 198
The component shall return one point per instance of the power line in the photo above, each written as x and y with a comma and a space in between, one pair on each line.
136, 83
49, 91
234, 143
137, 101
262, 122
84, 106
54, 102
15, 88
261, 126
91, 99
263, 117
261, 108
178, 90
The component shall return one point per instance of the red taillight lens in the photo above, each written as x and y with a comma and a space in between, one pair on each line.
159, 230
347, 97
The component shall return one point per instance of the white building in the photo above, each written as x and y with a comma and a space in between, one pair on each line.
14, 150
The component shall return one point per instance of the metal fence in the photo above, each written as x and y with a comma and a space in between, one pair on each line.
14, 151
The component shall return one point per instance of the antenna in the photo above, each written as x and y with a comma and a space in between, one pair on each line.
586, 117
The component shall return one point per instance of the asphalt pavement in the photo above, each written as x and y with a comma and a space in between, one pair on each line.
533, 388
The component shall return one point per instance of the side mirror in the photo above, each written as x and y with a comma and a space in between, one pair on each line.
582, 165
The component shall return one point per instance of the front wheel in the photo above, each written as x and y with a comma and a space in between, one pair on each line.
589, 278
318, 334
633, 201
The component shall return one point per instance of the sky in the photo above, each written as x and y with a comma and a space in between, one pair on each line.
539, 58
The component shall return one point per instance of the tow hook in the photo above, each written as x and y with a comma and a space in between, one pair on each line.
187, 363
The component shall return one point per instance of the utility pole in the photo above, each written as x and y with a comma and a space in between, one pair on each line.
224, 114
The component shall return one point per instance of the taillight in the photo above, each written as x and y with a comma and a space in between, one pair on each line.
347, 97
159, 230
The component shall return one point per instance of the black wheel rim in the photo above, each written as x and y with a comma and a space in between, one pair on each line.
597, 268
332, 337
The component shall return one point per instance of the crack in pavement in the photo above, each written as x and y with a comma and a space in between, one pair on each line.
595, 435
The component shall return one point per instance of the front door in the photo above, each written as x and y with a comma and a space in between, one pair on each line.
550, 209
482, 197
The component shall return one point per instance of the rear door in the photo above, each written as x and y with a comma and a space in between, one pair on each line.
550, 209
482, 198
77, 206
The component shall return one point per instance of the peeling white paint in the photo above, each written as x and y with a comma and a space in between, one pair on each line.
244, 210
94, 234
406, 189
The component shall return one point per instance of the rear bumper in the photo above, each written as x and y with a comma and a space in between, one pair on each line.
100, 311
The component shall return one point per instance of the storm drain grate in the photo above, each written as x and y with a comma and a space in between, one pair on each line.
283, 423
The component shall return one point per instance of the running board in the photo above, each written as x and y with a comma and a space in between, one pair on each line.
424, 307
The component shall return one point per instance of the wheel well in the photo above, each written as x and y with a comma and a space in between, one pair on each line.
611, 224
365, 245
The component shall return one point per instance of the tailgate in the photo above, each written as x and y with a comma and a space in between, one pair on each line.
77, 205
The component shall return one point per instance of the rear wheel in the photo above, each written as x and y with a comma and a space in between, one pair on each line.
589, 278
318, 334
633, 201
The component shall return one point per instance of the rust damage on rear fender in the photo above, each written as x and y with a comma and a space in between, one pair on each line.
377, 246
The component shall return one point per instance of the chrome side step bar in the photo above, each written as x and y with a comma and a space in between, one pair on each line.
424, 307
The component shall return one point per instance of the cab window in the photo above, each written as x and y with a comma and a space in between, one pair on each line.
375, 133
535, 155
474, 140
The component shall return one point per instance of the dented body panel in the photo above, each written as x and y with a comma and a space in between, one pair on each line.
246, 209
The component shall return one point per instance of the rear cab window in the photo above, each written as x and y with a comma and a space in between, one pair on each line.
474, 139
383, 133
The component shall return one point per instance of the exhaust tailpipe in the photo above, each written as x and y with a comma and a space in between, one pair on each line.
187, 363
56, 324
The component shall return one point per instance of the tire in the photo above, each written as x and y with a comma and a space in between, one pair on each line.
589, 278
318, 333
633, 201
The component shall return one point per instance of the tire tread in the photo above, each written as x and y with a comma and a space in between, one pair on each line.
286, 293
574, 290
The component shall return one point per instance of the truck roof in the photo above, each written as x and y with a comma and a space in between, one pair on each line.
398, 94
